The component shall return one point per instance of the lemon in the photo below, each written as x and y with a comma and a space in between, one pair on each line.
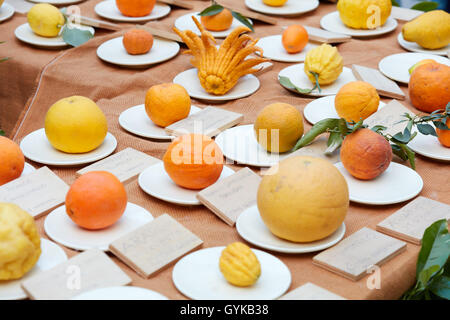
45, 20
75, 125
274, 3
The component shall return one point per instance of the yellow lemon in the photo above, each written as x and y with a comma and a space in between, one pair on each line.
45, 20
75, 125
364, 14
274, 3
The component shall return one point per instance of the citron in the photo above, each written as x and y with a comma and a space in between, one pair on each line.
20, 244
364, 14
75, 125
275, 3
356, 101
303, 199
45, 20
278, 127
326, 62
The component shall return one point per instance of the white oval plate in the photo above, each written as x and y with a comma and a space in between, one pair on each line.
27, 169
240, 145
332, 22
185, 22
136, 121
156, 182
51, 255
113, 51
273, 49
298, 77
6, 11
323, 108
120, 293
397, 184
198, 277
36, 147
429, 146
25, 34
57, 2
290, 8
396, 66
108, 9
245, 86
414, 47
251, 227
60, 228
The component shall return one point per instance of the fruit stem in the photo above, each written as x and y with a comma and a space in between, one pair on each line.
316, 76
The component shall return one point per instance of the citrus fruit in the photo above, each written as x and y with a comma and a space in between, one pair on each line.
356, 100
275, 3
12, 160
45, 20
444, 135
278, 127
218, 22
421, 62
137, 41
294, 38
364, 14
135, 8
75, 125
96, 200
303, 199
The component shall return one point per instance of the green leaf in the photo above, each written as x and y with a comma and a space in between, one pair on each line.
395, 3
320, 127
334, 142
4, 59
399, 152
402, 137
378, 128
74, 36
425, 6
441, 125
212, 10
441, 287
2, 133
243, 20
447, 108
286, 82
426, 129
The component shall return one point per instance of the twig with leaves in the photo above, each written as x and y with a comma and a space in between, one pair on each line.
216, 8
421, 6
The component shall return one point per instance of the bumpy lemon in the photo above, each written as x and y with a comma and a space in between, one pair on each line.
239, 265
45, 20
75, 125
364, 14
20, 244
325, 61
274, 3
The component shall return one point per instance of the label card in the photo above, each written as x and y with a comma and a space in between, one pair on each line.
125, 165
404, 14
410, 222
209, 121
310, 291
37, 193
385, 86
153, 246
178, 3
89, 270
353, 257
231, 196
317, 149
320, 35
389, 116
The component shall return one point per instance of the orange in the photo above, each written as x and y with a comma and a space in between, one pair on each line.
193, 161
167, 103
444, 135
356, 100
96, 200
421, 62
135, 8
294, 38
218, 22
137, 41
12, 160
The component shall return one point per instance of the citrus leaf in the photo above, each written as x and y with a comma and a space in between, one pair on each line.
74, 36
212, 10
2, 133
378, 128
242, 19
426, 129
425, 6
317, 129
441, 287
286, 82
399, 152
395, 3
334, 142
441, 125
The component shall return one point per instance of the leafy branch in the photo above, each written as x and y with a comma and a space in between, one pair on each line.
216, 8
422, 6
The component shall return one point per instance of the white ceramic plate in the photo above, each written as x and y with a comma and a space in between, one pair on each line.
27, 169
36, 147
6, 11
397, 184
60, 228
120, 293
25, 34
108, 9
57, 2
414, 47
113, 51
198, 277
186, 23
396, 66
251, 227
332, 22
323, 108
245, 86
240, 145
51, 256
274, 50
136, 121
298, 77
430, 147
157, 183
290, 8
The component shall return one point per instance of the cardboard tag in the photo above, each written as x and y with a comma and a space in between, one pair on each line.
385, 86
37, 193
154, 245
231, 196
209, 121
264, 67
404, 14
125, 165
178, 3
353, 257
410, 222
86, 271
317, 149
389, 116
310, 291
320, 35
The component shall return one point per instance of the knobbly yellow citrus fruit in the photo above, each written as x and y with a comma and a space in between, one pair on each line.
75, 125
275, 3
45, 20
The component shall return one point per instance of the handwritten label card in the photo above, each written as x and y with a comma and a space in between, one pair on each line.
89, 270
320, 35
404, 14
209, 121
385, 86
154, 245
37, 193
389, 116
229, 197
125, 165
410, 222
317, 149
310, 291
355, 255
